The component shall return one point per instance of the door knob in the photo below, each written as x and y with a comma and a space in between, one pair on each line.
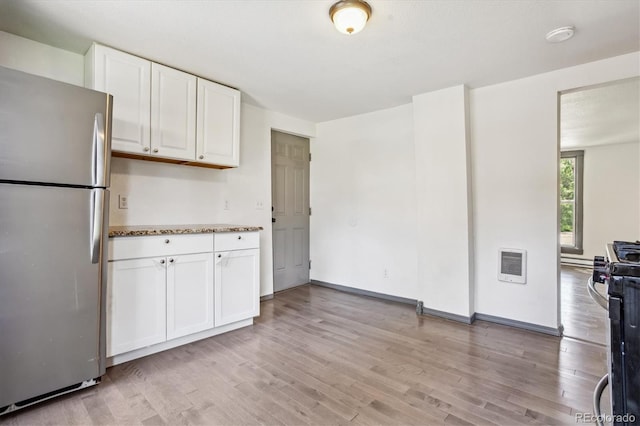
162, 261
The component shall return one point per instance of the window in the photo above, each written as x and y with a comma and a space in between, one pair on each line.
571, 168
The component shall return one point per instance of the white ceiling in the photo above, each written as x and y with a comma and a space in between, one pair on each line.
601, 115
286, 55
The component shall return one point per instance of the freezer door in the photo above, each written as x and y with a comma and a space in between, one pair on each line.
53, 132
51, 292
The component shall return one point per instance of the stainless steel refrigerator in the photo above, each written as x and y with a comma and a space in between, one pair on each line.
55, 151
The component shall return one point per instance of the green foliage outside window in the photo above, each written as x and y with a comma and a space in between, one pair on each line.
566, 217
567, 193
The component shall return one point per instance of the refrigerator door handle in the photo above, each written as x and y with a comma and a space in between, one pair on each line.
99, 151
97, 218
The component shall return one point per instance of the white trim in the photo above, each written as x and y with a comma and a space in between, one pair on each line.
139, 353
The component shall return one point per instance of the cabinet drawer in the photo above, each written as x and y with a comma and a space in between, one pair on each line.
159, 245
225, 241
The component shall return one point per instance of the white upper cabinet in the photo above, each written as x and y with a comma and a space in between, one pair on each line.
173, 113
218, 128
162, 114
127, 78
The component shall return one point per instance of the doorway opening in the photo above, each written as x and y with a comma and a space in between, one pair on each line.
290, 210
599, 197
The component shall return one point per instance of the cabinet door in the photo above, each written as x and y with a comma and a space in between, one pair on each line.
136, 304
237, 285
173, 113
189, 294
127, 78
218, 135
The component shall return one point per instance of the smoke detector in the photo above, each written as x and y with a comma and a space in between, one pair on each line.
560, 34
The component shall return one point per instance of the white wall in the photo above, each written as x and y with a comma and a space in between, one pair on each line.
171, 194
514, 135
514, 173
363, 200
37, 58
611, 198
443, 195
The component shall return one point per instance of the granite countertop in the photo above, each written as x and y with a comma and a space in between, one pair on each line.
139, 230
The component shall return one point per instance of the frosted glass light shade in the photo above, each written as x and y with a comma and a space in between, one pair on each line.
350, 16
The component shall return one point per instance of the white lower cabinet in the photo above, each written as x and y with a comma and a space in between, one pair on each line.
136, 304
189, 294
164, 291
237, 286
153, 300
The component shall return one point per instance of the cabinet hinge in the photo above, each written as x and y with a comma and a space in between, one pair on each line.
309, 157
309, 211
309, 263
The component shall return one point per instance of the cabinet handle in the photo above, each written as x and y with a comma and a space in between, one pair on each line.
166, 241
171, 260
239, 237
162, 261
201, 157
146, 149
155, 149
219, 256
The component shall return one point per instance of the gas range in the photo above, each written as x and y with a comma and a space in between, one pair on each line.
620, 270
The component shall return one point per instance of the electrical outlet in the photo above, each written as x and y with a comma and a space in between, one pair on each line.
123, 201
226, 205
259, 205
386, 273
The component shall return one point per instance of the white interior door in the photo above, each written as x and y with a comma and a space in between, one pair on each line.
290, 201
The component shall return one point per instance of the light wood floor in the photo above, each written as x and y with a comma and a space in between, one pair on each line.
319, 356
581, 316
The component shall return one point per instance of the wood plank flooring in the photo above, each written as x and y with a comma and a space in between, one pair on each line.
323, 357
582, 317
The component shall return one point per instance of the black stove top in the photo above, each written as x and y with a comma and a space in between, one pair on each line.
626, 259
627, 252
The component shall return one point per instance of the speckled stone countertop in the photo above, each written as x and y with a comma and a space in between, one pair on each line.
139, 230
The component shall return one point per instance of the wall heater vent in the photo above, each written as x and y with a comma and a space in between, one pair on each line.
512, 267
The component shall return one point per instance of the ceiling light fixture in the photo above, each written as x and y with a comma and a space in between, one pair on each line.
560, 34
350, 16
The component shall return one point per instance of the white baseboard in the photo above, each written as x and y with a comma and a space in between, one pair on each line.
576, 261
139, 353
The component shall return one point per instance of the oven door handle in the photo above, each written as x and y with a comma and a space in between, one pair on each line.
597, 395
596, 295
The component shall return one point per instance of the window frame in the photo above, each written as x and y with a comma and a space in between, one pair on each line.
578, 155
